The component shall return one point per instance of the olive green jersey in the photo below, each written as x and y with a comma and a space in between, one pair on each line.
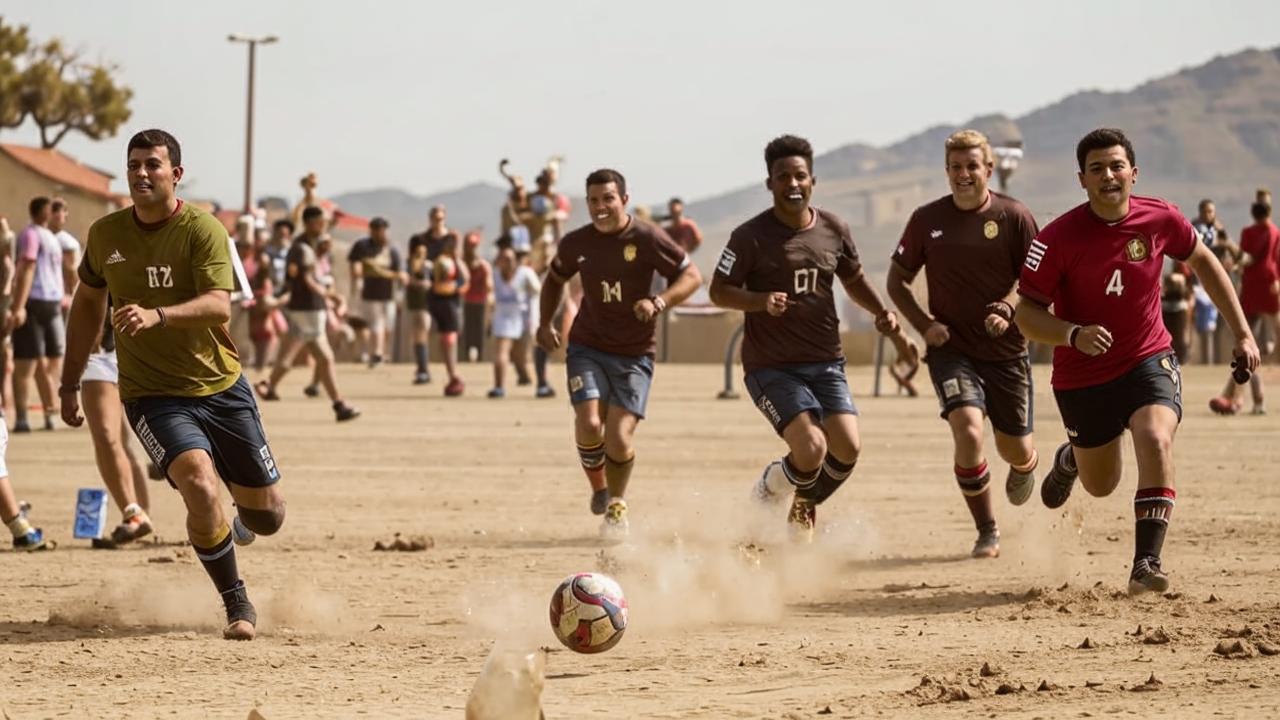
157, 266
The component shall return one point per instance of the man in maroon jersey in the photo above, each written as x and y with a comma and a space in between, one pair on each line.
1099, 265
611, 343
974, 242
779, 268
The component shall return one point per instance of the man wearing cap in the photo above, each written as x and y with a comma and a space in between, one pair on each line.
376, 268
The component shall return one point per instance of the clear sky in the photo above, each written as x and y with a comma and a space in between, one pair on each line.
679, 95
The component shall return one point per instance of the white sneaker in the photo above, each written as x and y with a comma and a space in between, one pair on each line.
772, 485
241, 534
615, 525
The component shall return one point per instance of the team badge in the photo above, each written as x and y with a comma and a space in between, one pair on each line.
1136, 249
629, 253
991, 229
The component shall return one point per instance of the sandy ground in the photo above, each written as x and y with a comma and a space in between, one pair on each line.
884, 615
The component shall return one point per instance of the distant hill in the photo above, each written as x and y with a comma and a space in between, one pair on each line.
1208, 131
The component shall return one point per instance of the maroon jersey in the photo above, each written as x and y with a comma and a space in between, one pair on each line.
617, 270
973, 258
1095, 272
765, 255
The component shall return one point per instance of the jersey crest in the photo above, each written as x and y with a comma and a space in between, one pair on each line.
629, 253
991, 229
1136, 249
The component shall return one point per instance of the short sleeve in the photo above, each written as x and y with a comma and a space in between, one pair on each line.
1041, 271
848, 265
29, 244
211, 256
68, 242
396, 265
737, 257
1180, 237
1024, 230
910, 253
90, 271
668, 258
356, 253
565, 263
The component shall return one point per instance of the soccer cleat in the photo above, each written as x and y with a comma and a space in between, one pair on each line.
1147, 576
761, 490
311, 390
21, 426
265, 391
988, 544
1223, 405
801, 520
240, 534
344, 412
31, 541
1057, 485
499, 393
545, 391
455, 388
615, 525
133, 528
1018, 485
599, 501
422, 378
242, 619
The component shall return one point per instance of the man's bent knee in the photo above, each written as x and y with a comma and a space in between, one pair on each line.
262, 522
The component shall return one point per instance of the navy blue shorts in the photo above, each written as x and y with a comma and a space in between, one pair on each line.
1097, 414
227, 425
618, 380
1001, 389
785, 391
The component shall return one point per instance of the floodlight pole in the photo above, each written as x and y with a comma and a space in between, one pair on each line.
253, 43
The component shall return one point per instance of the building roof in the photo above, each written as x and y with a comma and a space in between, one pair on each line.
62, 169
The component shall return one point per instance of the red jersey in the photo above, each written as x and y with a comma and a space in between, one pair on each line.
1257, 282
1096, 272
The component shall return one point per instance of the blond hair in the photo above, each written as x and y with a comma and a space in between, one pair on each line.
969, 140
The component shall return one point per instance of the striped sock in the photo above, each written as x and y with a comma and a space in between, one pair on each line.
973, 483
218, 555
1152, 508
805, 481
592, 458
831, 476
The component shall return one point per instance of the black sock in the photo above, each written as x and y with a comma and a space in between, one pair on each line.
975, 485
805, 481
540, 365
219, 560
420, 354
1152, 508
831, 476
617, 475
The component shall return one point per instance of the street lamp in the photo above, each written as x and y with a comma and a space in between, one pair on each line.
253, 43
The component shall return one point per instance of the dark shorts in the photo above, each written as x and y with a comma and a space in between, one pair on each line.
781, 393
41, 336
618, 380
416, 299
1000, 388
444, 312
1096, 415
226, 425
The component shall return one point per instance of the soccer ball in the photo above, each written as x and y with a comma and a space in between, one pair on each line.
589, 612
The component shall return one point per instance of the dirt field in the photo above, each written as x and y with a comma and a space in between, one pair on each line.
884, 615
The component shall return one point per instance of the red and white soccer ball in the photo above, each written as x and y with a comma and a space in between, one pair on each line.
589, 612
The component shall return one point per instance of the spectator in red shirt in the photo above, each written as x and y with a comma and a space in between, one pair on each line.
1259, 298
681, 229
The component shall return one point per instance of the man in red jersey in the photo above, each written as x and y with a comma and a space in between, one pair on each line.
1259, 298
780, 268
611, 344
1099, 266
974, 241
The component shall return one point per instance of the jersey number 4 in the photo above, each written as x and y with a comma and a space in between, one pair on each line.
1115, 286
806, 280
159, 276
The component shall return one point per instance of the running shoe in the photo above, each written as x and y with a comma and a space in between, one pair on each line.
455, 387
1223, 405
545, 391
1147, 576
1057, 485
31, 541
988, 544
615, 525
801, 520
21, 426
240, 534
242, 619
345, 412
311, 391
1018, 485
133, 528
422, 378
499, 393
265, 391
773, 475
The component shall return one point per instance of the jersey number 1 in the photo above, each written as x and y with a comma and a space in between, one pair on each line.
1115, 286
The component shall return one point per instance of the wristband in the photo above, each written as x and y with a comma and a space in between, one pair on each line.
1071, 338
160, 312
1002, 309
658, 303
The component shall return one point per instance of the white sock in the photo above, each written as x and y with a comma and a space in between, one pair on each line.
775, 479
